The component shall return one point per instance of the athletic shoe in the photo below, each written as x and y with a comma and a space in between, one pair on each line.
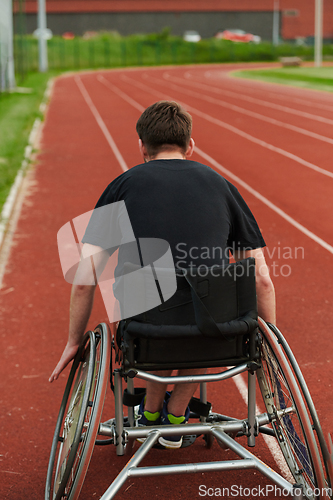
172, 442
146, 418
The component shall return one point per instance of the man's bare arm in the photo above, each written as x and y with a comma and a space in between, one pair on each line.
82, 299
264, 284
81, 303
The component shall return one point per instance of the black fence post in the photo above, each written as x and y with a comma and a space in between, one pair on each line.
174, 57
124, 53
232, 51
212, 51
76, 52
91, 54
51, 53
107, 63
193, 53
139, 52
62, 53
158, 52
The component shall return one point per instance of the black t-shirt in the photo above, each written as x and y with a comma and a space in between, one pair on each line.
198, 212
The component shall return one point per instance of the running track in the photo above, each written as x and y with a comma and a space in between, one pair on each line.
273, 142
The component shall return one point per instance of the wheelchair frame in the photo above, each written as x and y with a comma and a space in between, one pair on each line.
294, 422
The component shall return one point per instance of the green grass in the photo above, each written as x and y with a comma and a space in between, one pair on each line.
312, 78
17, 114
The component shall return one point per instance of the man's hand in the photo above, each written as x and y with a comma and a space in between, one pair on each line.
66, 357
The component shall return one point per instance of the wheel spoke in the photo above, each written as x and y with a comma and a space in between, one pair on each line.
284, 407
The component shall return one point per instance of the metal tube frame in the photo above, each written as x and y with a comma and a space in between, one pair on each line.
188, 379
130, 389
251, 409
119, 412
230, 426
219, 430
203, 397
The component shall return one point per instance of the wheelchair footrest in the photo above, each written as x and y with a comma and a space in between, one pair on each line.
188, 440
196, 406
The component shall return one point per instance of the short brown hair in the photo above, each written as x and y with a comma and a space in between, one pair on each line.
164, 124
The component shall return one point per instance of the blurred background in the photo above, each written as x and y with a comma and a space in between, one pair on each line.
109, 33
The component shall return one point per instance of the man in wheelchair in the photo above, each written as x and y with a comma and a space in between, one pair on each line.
198, 212
174, 223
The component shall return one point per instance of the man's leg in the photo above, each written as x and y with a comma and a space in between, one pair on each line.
180, 396
173, 411
176, 411
182, 393
155, 393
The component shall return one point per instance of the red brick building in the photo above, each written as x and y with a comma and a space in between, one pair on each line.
132, 16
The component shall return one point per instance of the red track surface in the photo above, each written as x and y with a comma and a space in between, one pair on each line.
75, 165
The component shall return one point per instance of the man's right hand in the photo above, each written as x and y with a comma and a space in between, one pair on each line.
66, 357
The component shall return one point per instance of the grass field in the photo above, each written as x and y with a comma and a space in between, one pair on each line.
305, 77
17, 114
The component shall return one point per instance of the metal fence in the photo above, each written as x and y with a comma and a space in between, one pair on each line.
106, 51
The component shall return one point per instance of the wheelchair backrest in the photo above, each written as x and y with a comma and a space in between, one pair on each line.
209, 321
227, 292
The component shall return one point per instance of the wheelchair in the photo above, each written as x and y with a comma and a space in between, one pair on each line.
211, 322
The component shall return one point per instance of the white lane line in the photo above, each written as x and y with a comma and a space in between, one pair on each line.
269, 440
316, 99
122, 94
243, 84
272, 105
237, 131
266, 201
243, 111
286, 97
237, 179
101, 123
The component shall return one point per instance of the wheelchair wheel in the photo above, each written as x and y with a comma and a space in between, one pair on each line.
79, 417
325, 453
289, 417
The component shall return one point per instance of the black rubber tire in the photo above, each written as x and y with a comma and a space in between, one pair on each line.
79, 417
290, 420
318, 432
